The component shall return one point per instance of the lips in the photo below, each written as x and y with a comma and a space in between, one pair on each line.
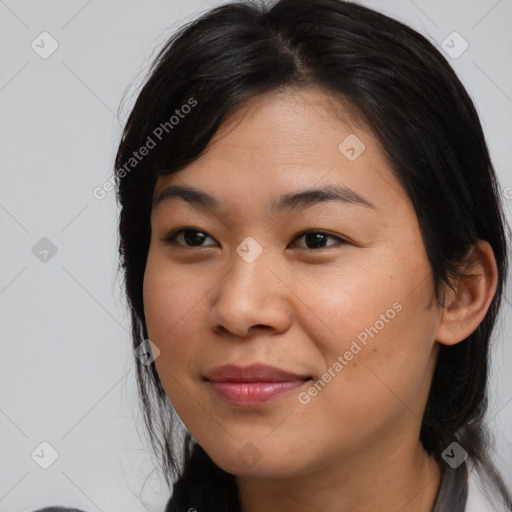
252, 385
252, 373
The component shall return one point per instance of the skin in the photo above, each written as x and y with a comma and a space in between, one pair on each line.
355, 445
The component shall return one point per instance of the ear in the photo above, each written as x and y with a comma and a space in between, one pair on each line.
465, 308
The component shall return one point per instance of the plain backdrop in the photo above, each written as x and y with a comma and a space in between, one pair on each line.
66, 366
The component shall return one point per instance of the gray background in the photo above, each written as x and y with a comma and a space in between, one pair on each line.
66, 369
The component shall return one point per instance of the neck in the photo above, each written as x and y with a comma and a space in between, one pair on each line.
403, 478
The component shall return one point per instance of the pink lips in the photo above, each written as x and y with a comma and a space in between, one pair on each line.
252, 385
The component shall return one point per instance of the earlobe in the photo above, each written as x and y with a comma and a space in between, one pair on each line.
466, 306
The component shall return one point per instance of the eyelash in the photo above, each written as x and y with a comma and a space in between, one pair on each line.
171, 238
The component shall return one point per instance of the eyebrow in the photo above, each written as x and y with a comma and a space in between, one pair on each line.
286, 202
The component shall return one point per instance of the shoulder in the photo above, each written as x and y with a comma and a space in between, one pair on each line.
58, 509
481, 496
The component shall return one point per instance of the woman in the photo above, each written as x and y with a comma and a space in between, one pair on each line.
314, 253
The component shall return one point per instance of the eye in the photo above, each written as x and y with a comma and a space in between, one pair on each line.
191, 236
317, 239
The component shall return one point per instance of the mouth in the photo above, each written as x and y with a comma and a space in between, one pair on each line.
253, 385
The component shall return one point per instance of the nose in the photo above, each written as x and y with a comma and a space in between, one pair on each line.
251, 297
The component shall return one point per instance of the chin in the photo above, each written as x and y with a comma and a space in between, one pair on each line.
250, 461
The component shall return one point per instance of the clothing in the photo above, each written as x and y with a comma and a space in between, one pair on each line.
479, 498
461, 490
453, 490
464, 486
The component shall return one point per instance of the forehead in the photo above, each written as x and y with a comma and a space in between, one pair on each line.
288, 140
285, 126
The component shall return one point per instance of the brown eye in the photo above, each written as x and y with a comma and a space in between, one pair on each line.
317, 239
187, 237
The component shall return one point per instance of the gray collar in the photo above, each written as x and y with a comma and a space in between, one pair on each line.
453, 491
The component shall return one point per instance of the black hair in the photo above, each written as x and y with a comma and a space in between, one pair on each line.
398, 84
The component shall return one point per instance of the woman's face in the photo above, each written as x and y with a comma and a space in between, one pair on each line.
344, 309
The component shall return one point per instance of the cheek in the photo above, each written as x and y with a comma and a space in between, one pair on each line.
341, 303
377, 385
377, 325
174, 308
385, 367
